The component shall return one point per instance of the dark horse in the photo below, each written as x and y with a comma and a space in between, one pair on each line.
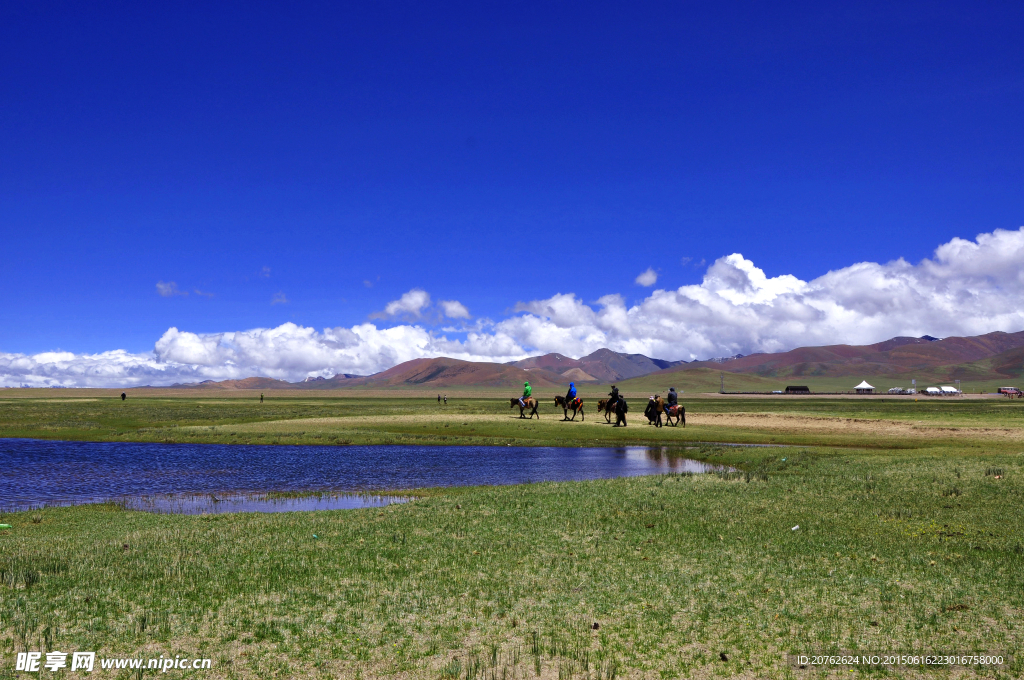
531, 403
602, 405
575, 404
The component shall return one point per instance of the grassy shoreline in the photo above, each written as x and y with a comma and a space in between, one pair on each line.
911, 547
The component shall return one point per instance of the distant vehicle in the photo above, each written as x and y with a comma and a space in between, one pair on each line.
902, 390
1009, 390
776, 391
798, 389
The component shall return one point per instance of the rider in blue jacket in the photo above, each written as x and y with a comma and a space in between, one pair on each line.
571, 394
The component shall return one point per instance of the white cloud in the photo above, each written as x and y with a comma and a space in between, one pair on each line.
966, 288
647, 278
279, 298
410, 304
454, 309
169, 289
287, 352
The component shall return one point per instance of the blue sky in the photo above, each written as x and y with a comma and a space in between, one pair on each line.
311, 163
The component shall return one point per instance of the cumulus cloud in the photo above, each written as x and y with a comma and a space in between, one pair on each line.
453, 309
647, 278
287, 352
169, 289
411, 304
965, 288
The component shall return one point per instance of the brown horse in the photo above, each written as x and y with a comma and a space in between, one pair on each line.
575, 404
602, 405
531, 403
678, 412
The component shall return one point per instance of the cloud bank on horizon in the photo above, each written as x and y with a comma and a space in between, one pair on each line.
966, 288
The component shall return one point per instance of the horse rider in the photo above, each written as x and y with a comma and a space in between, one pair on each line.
614, 394
527, 392
671, 399
570, 396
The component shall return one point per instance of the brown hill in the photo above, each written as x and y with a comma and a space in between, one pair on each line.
443, 372
892, 357
578, 375
256, 383
604, 365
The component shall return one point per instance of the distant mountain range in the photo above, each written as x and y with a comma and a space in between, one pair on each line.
603, 366
985, 357
979, 357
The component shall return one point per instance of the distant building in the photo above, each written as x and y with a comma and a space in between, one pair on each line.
798, 389
864, 388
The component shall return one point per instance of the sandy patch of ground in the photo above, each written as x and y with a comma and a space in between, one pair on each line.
879, 428
761, 422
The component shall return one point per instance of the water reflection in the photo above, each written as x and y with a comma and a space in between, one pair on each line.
37, 472
672, 460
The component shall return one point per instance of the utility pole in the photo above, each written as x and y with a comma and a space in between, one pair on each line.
722, 376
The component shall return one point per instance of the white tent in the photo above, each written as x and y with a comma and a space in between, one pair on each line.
864, 388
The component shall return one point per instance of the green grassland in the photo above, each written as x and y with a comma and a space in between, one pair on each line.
910, 538
289, 418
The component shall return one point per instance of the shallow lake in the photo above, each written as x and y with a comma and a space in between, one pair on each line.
38, 472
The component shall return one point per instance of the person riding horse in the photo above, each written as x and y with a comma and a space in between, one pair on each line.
673, 410
671, 399
614, 394
570, 396
527, 393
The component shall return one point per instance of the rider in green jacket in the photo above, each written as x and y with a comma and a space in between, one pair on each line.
527, 392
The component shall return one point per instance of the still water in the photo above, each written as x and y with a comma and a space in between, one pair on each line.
36, 472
